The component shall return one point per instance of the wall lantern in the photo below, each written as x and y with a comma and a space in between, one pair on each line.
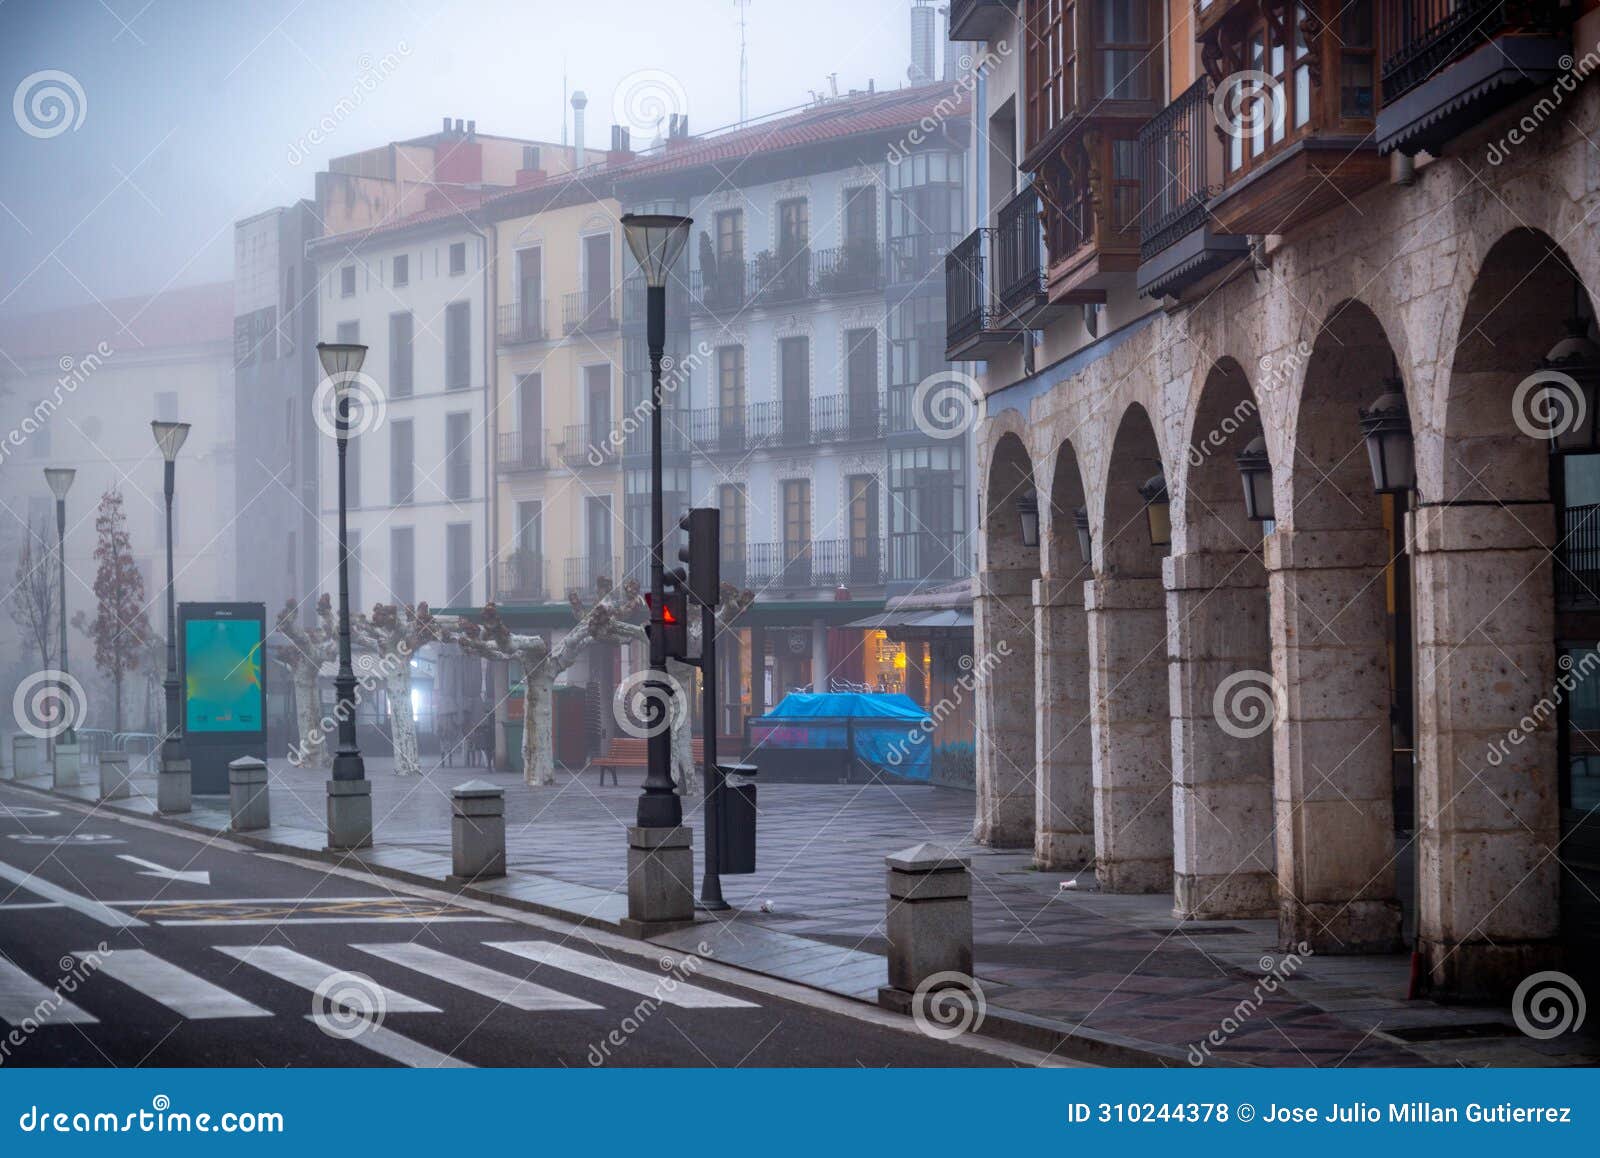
1080, 519
1158, 510
1028, 512
1386, 426
1574, 421
1255, 470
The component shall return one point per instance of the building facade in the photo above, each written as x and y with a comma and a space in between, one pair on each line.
1239, 672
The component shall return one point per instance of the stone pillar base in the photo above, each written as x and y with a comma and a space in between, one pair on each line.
1063, 850
247, 794
477, 832
660, 880
1134, 876
114, 776
64, 772
929, 918
1340, 927
173, 788
27, 757
1241, 896
349, 815
1479, 971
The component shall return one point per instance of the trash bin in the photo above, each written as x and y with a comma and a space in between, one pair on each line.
736, 824
513, 734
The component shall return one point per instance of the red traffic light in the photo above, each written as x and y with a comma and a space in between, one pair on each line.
667, 614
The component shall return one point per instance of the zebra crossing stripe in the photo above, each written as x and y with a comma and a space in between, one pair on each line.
24, 999
179, 990
92, 909
309, 973
496, 986
389, 1044
663, 987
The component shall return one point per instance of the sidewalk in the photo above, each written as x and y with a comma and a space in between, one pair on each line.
1096, 977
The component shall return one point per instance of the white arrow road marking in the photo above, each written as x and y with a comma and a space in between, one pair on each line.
194, 877
22, 999
390, 1044
177, 989
308, 973
664, 987
469, 975
105, 914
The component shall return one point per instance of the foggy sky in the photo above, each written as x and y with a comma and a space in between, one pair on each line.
196, 113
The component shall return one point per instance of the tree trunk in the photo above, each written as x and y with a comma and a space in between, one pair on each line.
538, 749
313, 744
402, 726
116, 691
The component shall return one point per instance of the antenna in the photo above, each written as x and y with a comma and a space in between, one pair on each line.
744, 66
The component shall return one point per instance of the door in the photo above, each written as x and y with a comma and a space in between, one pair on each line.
730, 397
597, 279
530, 419
794, 247
530, 293
599, 518
795, 386
861, 375
864, 548
797, 532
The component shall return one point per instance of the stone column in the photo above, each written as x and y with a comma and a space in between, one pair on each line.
1487, 696
1064, 836
819, 656
1131, 733
1333, 775
660, 880
1224, 701
1003, 613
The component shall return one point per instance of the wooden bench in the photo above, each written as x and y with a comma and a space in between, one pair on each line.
634, 752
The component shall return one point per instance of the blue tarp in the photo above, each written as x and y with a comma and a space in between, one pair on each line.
891, 733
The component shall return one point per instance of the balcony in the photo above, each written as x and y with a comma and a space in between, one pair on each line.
976, 326
1180, 159
522, 322
519, 451
1449, 65
1020, 262
915, 258
587, 446
589, 311
583, 573
675, 434
853, 268
981, 19
820, 564
784, 278
521, 579
719, 429
722, 289
635, 296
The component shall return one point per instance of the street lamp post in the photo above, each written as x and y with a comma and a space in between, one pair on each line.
349, 792
656, 241
173, 788
65, 764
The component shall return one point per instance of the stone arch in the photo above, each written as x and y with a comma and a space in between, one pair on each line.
1340, 587
1492, 536
1004, 647
1130, 723
1064, 837
1223, 691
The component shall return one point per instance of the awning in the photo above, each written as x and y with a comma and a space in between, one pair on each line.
914, 619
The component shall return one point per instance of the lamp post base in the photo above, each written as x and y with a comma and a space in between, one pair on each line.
349, 815
660, 880
64, 769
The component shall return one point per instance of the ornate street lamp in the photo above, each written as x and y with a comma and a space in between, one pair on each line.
1386, 426
1080, 520
1577, 358
1028, 513
657, 239
169, 438
349, 792
1255, 470
60, 480
1158, 510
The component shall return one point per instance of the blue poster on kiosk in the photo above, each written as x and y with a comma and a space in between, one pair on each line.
221, 650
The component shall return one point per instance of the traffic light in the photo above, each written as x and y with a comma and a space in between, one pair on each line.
702, 525
674, 616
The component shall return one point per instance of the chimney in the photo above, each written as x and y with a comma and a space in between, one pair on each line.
579, 103
461, 126
472, 130
621, 145
446, 127
922, 21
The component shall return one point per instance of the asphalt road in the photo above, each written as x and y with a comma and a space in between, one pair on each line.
210, 954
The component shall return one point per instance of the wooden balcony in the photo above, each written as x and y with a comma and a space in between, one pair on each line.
1090, 195
1449, 65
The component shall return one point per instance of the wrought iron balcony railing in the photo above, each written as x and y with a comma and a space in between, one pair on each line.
523, 322
521, 579
519, 450
589, 311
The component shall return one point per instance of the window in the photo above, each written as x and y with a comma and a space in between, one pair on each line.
861, 216
458, 257
458, 564
1283, 53
730, 395
400, 362
927, 506
458, 455
1124, 50
598, 519
597, 399
596, 306
731, 502
1052, 65
530, 527
530, 417
402, 462
862, 490
861, 381
403, 565
458, 345
794, 386
730, 236
530, 293
402, 269
347, 281
796, 530
794, 227
348, 332
1356, 62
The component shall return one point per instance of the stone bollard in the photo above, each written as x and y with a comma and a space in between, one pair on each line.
477, 832
7, 771
27, 757
64, 770
174, 787
349, 815
929, 922
114, 776
247, 794
660, 880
